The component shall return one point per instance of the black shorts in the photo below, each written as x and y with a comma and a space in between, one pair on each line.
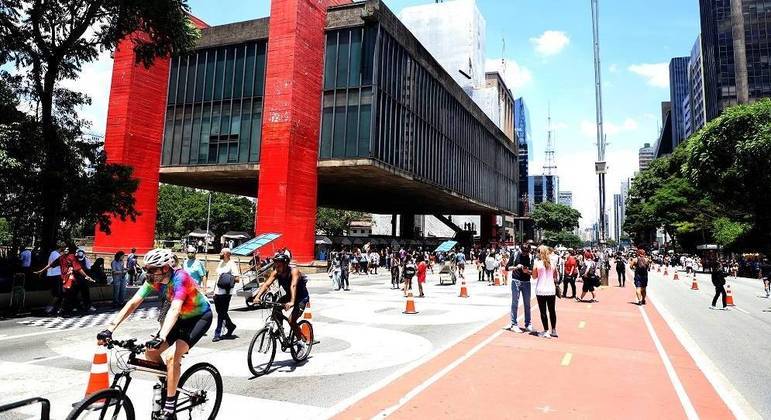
640, 281
299, 307
588, 285
190, 330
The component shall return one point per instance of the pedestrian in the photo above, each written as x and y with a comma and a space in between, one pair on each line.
374, 261
408, 273
520, 285
395, 262
718, 280
620, 270
25, 261
131, 266
546, 290
363, 263
640, 266
571, 272
345, 264
421, 273
97, 271
589, 276
197, 270
765, 275
83, 286
222, 294
69, 268
118, 267
489, 268
54, 280
334, 271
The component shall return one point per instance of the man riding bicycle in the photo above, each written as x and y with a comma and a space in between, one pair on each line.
292, 281
187, 320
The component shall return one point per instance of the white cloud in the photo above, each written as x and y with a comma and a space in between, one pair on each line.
589, 128
656, 74
94, 80
515, 76
613, 68
550, 43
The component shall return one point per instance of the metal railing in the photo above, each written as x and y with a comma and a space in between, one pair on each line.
45, 406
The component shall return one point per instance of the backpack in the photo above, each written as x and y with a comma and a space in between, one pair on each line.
409, 271
226, 281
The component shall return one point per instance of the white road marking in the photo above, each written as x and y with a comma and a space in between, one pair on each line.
740, 309
13, 337
43, 359
545, 409
690, 412
582, 324
566, 359
732, 398
420, 388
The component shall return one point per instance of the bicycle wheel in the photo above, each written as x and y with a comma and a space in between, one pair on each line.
262, 351
301, 349
199, 393
105, 404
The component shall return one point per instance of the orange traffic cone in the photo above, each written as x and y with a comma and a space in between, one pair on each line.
658, 268
497, 278
666, 273
676, 277
729, 298
308, 314
100, 377
694, 284
463, 290
410, 308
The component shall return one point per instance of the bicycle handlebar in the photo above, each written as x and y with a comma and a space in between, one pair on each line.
129, 345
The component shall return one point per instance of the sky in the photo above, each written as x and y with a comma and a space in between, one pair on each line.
549, 63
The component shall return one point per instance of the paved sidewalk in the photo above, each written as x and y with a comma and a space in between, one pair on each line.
613, 359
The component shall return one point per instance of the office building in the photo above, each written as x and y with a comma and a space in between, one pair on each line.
566, 198
541, 188
695, 105
618, 216
646, 155
678, 90
736, 48
525, 139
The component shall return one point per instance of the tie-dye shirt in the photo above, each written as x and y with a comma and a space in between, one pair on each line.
180, 287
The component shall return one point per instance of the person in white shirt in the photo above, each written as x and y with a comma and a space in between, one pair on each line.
54, 279
222, 296
545, 273
490, 267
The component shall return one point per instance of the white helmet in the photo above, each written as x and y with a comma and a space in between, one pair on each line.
159, 257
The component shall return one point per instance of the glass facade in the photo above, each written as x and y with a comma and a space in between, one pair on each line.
214, 106
678, 91
381, 103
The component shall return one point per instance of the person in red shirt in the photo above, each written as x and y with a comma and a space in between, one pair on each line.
421, 275
70, 267
571, 272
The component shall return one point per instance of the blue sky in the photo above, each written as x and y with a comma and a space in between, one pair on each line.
549, 57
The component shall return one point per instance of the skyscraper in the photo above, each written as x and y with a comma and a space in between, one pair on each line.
695, 100
542, 188
736, 48
646, 156
618, 216
678, 90
524, 136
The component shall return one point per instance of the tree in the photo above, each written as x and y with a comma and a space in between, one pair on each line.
555, 217
182, 210
51, 39
335, 222
728, 162
564, 238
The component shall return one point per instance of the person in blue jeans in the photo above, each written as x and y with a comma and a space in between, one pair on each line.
521, 268
118, 279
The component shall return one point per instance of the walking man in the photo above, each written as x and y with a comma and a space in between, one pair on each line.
621, 270
718, 280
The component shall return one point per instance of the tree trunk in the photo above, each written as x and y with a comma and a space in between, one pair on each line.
53, 183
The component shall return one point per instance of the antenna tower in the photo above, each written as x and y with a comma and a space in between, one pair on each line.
549, 165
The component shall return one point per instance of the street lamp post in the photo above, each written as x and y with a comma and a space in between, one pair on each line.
600, 165
208, 218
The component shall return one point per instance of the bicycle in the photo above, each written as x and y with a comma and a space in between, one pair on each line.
199, 392
262, 349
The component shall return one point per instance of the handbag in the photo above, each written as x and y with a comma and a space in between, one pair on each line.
226, 281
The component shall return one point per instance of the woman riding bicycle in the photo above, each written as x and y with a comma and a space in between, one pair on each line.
187, 320
293, 282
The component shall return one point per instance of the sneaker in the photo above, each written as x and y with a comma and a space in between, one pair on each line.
545, 334
712, 307
554, 333
512, 327
529, 328
229, 332
215, 339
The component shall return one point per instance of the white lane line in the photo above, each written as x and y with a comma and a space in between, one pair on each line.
53, 331
566, 359
730, 395
740, 310
690, 412
420, 388
44, 359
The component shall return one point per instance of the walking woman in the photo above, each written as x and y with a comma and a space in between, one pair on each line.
546, 277
640, 266
222, 295
421, 272
589, 276
118, 279
718, 280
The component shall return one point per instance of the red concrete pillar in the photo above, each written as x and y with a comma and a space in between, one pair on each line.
286, 200
133, 137
488, 231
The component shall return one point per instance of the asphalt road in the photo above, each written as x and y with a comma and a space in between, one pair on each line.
364, 339
737, 342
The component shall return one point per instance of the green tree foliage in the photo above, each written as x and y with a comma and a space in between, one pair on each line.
182, 210
564, 238
335, 222
555, 217
51, 40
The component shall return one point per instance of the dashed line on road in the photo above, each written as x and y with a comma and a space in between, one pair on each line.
566, 359
589, 306
43, 359
690, 412
581, 325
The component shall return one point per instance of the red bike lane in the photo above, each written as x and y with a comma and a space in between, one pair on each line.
605, 364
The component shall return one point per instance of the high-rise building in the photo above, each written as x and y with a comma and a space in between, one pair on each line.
566, 198
618, 216
678, 90
497, 101
736, 48
525, 139
454, 33
695, 101
646, 156
541, 188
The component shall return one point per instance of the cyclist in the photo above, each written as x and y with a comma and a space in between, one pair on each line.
187, 320
293, 282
